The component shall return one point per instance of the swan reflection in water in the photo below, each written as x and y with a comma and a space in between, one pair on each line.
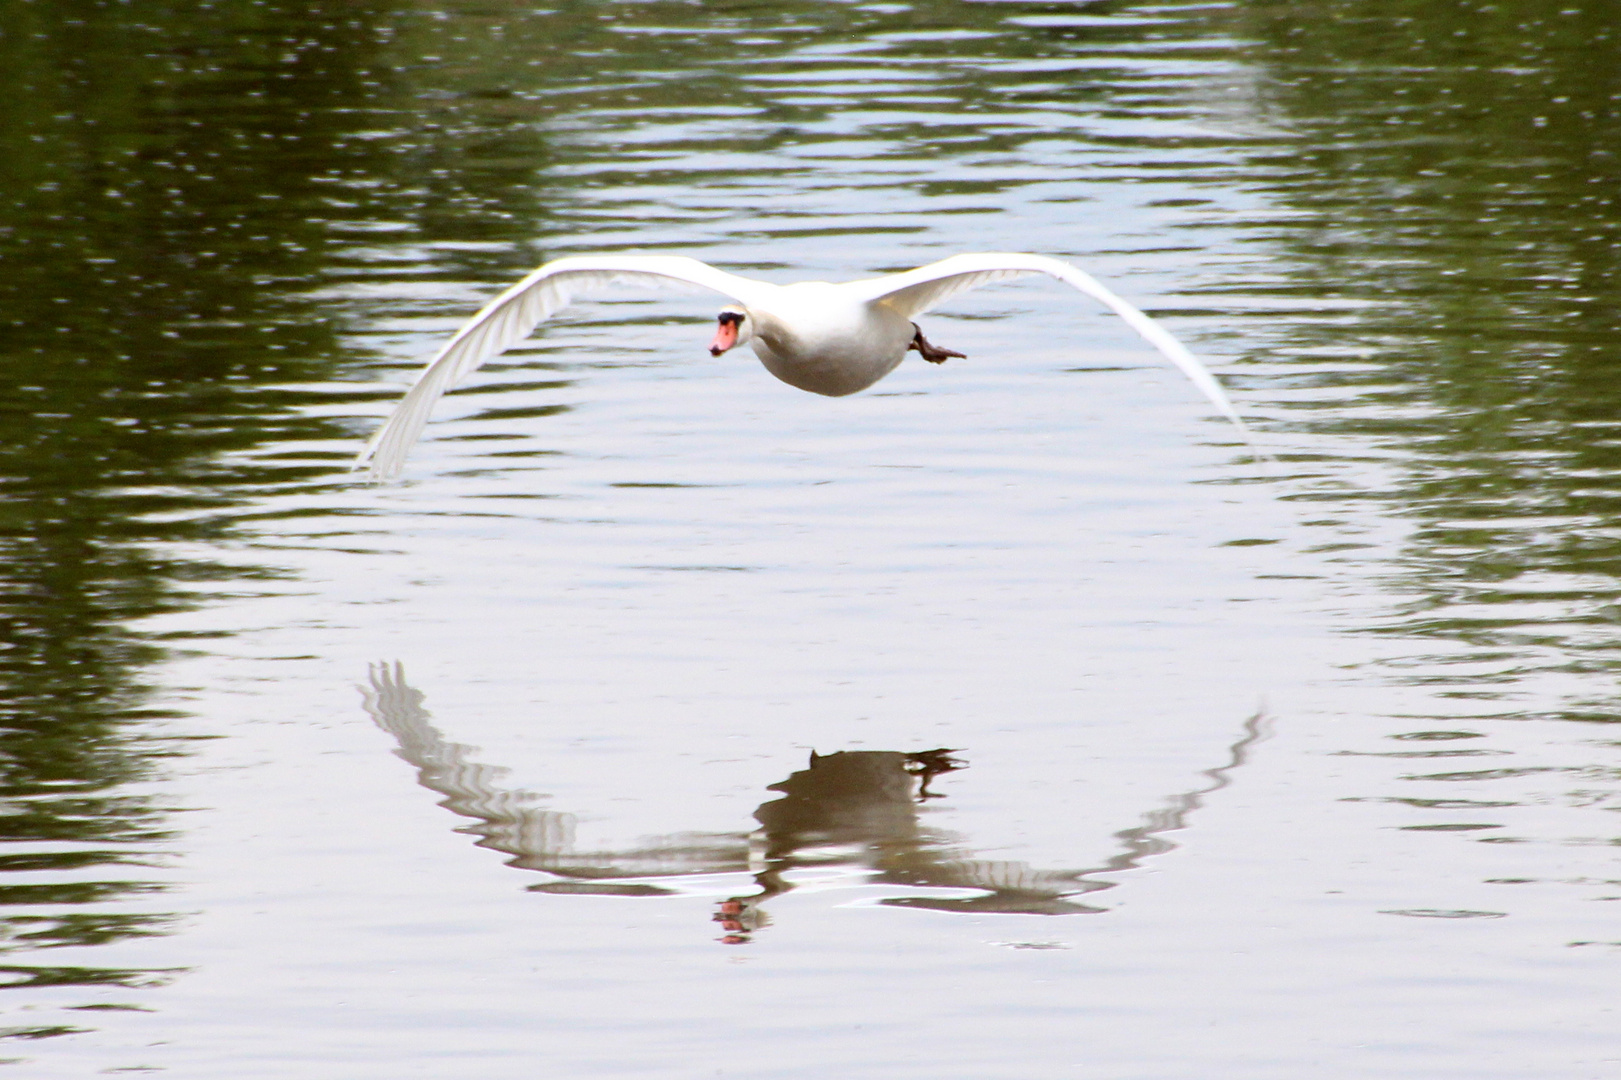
851, 808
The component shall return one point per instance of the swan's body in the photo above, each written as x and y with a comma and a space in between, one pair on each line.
825, 338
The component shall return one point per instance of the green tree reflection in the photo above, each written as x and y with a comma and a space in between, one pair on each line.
167, 178
1460, 165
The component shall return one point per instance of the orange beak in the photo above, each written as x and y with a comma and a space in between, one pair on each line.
725, 336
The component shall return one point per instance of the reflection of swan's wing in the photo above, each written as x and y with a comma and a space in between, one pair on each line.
671, 855
1011, 888
510, 318
536, 838
1016, 887
916, 291
1147, 840
1000, 875
506, 823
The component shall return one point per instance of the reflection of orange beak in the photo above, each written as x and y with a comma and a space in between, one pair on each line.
725, 337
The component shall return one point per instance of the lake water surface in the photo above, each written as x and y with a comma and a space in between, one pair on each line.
1009, 720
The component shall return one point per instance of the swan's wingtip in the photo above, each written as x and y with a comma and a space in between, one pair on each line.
1258, 454
377, 471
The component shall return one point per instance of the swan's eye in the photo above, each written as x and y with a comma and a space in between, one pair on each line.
730, 318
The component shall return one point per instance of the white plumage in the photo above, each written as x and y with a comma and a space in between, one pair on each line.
825, 338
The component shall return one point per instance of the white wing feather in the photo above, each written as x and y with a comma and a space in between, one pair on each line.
916, 291
513, 315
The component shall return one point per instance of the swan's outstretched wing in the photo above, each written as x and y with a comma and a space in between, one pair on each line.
510, 318
916, 291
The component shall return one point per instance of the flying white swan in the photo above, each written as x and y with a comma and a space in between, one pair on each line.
828, 339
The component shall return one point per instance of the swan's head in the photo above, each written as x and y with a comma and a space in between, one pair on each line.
735, 328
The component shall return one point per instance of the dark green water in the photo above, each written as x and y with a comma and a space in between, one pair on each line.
228, 233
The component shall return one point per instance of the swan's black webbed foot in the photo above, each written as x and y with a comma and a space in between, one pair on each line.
934, 354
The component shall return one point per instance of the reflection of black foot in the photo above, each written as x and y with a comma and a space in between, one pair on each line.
931, 763
934, 354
